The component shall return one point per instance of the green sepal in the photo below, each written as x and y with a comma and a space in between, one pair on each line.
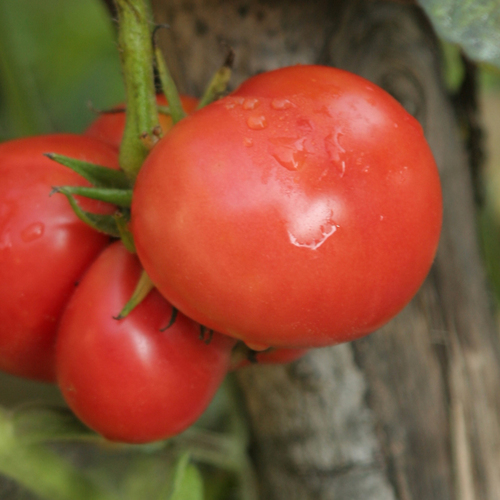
142, 289
219, 82
97, 175
120, 197
176, 110
126, 236
102, 223
172, 320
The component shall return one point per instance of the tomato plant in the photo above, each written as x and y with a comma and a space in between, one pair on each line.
44, 247
109, 126
127, 379
302, 210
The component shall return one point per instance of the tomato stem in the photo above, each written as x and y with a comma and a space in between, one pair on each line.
176, 110
219, 81
144, 286
136, 52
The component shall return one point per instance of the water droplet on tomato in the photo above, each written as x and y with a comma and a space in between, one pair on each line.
257, 122
250, 103
230, 102
325, 231
312, 223
289, 152
248, 142
335, 151
32, 232
279, 104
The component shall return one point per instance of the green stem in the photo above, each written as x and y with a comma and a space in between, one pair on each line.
219, 82
176, 110
136, 52
142, 289
42, 471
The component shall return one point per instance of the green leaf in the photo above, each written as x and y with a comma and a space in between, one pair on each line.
102, 223
96, 174
474, 25
46, 81
187, 482
120, 197
37, 468
38, 424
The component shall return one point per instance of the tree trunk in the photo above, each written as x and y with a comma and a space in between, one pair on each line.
412, 411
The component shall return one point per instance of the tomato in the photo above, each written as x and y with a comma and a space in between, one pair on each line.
302, 210
127, 379
44, 247
271, 357
109, 126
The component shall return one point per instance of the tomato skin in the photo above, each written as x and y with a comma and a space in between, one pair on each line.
302, 210
44, 247
109, 127
273, 357
126, 379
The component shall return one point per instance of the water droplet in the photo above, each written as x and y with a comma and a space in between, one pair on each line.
366, 169
231, 102
257, 122
381, 217
325, 231
312, 224
251, 103
281, 104
333, 147
334, 151
289, 152
32, 232
248, 142
396, 125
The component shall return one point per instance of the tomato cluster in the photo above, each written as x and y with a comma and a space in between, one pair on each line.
301, 210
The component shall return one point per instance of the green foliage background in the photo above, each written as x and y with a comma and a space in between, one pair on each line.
56, 56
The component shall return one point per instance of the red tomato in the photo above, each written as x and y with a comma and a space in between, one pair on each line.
44, 247
127, 379
272, 357
302, 210
109, 126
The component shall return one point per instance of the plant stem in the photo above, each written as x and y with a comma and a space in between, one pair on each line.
42, 471
176, 110
136, 52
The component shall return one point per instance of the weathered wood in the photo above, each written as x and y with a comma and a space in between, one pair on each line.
411, 412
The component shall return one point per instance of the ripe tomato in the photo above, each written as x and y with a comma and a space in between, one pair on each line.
109, 126
272, 357
44, 247
302, 210
126, 378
